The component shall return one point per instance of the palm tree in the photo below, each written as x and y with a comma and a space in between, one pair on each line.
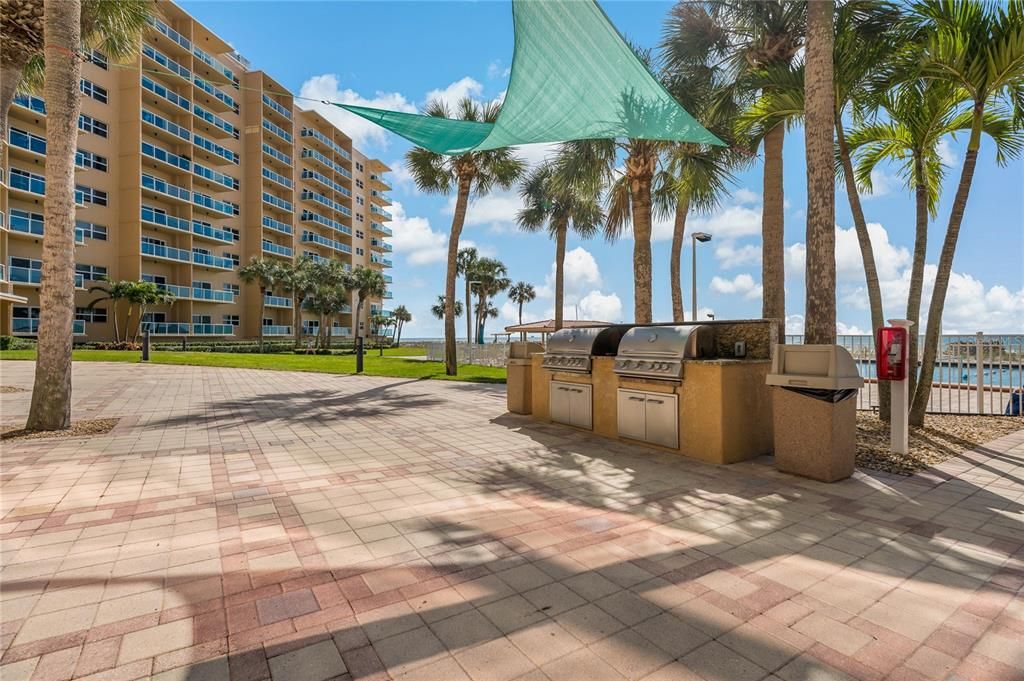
265, 273
381, 322
820, 103
465, 261
745, 37
522, 293
472, 173
979, 47
329, 296
484, 311
50, 408
145, 294
401, 315
297, 279
113, 28
561, 204
113, 292
438, 309
491, 275
366, 283
921, 113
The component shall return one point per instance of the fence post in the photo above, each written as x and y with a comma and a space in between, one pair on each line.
979, 378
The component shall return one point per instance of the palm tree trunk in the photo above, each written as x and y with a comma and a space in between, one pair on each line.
640, 189
113, 313
451, 363
138, 326
10, 79
398, 333
51, 394
917, 269
938, 302
359, 314
675, 272
560, 237
867, 254
820, 288
263, 310
773, 274
469, 307
297, 320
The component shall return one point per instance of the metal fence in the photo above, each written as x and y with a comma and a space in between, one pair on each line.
973, 374
490, 354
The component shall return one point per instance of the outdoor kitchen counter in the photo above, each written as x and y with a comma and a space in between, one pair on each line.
724, 407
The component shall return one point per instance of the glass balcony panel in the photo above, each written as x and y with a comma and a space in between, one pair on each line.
166, 252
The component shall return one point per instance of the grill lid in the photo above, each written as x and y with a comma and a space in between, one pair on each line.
571, 349
659, 351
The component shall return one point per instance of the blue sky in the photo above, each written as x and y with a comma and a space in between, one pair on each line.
399, 54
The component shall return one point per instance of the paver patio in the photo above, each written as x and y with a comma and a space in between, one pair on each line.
266, 525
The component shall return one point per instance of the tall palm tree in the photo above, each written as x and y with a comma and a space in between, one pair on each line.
921, 113
113, 292
401, 315
146, 294
560, 204
465, 261
492, 277
522, 293
265, 273
977, 46
745, 37
381, 323
297, 279
50, 408
329, 296
366, 283
113, 28
472, 173
484, 311
438, 310
819, 124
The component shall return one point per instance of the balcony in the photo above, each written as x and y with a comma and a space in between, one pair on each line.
310, 216
323, 139
377, 260
381, 212
164, 96
212, 261
164, 252
277, 202
206, 231
27, 182
324, 161
388, 295
285, 182
381, 245
380, 197
179, 292
377, 227
213, 330
30, 327
277, 249
277, 130
161, 123
167, 157
214, 152
154, 217
276, 225
388, 279
166, 328
215, 64
34, 144
29, 276
217, 126
31, 103
325, 181
177, 39
277, 301
380, 181
219, 180
277, 108
166, 64
277, 155
220, 100
277, 330
208, 294
311, 237
165, 189
226, 208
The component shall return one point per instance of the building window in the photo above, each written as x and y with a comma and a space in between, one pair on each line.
359, 166
233, 256
87, 159
359, 251
359, 217
90, 124
235, 233
359, 234
202, 319
95, 315
93, 272
359, 183
360, 201
90, 195
155, 317
154, 242
93, 90
98, 58
231, 319
90, 230
234, 288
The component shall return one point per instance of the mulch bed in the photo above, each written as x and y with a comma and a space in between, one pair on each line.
88, 428
11, 389
943, 437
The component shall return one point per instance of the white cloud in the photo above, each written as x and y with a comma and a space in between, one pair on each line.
744, 196
580, 273
363, 132
852, 330
498, 70
728, 222
794, 324
600, 306
741, 284
729, 255
881, 184
947, 154
455, 92
889, 258
413, 236
400, 176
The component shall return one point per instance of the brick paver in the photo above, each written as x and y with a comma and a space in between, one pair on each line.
253, 525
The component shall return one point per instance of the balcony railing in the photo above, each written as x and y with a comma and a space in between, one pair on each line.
274, 153
381, 212
269, 330
166, 188
171, 33
209, 89
165, 252
277, 130
30, 327
179, 292
277, 301
31, 102
166, 328
165, 61
215, 64
200, 293
213, 330
28, 182
162, 92
374, 258
209, 232
214, 120
214, 176
227, 208
215, 149
310, 216
165, 156
381, 228
278, 178
277, 107
277, 202
27, 141
209, 260
317, 135
276, 225
277, 249
166, 125
312, 237
164, 220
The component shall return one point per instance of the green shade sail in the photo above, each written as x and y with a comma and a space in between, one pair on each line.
573, 77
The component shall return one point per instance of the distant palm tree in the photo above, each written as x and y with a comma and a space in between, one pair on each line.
484, 311
265, 273
491, 275
401, 315
472, 173
366, 284
465, 261
113, 292
381, 323
979, 47
438, 309
329, 298
520, 294
561, 204
297, 279
145, 294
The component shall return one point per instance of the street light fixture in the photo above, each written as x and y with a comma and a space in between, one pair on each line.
702, 237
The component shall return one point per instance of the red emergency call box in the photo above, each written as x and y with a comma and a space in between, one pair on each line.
891, 353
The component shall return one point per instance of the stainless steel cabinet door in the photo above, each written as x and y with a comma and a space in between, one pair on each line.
631, 414
581, 409
661, 414
560, 401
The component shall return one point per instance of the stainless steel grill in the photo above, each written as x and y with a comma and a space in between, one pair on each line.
571, 349
659, 351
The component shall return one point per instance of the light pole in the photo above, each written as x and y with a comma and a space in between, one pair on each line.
702, 237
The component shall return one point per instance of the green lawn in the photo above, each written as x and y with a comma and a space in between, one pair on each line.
373, 365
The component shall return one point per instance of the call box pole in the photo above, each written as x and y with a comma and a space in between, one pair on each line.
899, 421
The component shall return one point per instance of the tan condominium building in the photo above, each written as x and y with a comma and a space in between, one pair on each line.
189, 165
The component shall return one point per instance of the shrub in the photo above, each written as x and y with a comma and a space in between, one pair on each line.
120, 345
15, 343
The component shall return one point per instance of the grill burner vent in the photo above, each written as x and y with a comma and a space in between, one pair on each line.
659, 351
571, 349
